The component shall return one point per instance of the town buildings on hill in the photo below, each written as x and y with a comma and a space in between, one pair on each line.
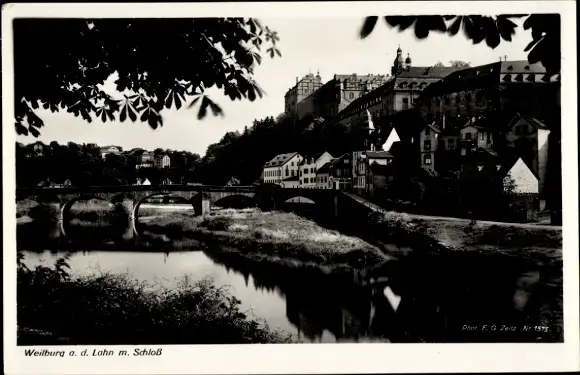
503, 116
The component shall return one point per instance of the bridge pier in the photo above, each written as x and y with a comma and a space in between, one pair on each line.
56, 229
202, 204
129, 208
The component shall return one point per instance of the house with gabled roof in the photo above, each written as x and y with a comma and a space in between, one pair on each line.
323, 175
530, 137
309, 166
281, 167
428, 142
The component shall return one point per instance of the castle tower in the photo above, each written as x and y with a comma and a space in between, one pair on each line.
399, 63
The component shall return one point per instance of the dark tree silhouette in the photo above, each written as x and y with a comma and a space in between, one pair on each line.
545, 28
161, 63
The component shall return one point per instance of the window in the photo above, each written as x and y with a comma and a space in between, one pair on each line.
312, 179
481, 137
350, 95
301, 173
467, 136
338, 172
405, 103
451, 144
427, 159
292, 164
292, 172
427, 145
312, 170
287, 172
427, 131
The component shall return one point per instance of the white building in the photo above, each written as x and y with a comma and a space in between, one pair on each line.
308, 168
162, 161
281, 167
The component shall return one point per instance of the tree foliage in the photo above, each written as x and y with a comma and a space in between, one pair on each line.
61, 64
84, 165
545, 29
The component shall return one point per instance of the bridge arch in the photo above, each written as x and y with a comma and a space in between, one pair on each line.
236, 200
135, 212
299, 200
65, 211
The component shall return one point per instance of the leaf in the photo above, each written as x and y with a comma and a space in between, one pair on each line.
194, 101
454, 29
203, 108
492, 34
21, 129
216, 109
532, 44
426, 24
132, 113
35, 133
123, 114
403, 22
177, 101
278, 52
169, 100
506, 27
368, 26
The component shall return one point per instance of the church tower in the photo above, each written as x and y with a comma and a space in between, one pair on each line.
400, 64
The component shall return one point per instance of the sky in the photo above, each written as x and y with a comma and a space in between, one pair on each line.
326, 45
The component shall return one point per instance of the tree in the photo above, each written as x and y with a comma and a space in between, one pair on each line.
439, 65
459, 64
545, 28
60, 64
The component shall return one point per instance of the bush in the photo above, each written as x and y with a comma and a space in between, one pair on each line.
111, 309
216, 223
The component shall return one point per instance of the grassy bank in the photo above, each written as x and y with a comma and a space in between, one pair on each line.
281, 236
104, 309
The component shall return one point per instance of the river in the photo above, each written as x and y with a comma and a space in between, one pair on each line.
415, 299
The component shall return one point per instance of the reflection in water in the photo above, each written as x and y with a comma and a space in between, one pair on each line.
419, 298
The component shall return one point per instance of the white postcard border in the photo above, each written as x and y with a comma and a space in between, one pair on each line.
311, 358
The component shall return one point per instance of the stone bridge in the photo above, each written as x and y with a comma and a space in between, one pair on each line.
325, 200
201, 197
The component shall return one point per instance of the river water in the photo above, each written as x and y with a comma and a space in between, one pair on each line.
415, 299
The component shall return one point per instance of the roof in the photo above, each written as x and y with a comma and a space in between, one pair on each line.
326, 167
407, 124
426, 72
538, 124
378, 154
280, 160
311, 157
506, 162
494, 73
433, 127
361, 77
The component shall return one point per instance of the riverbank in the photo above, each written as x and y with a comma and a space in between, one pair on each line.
268, 236
458, 235
55, 308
